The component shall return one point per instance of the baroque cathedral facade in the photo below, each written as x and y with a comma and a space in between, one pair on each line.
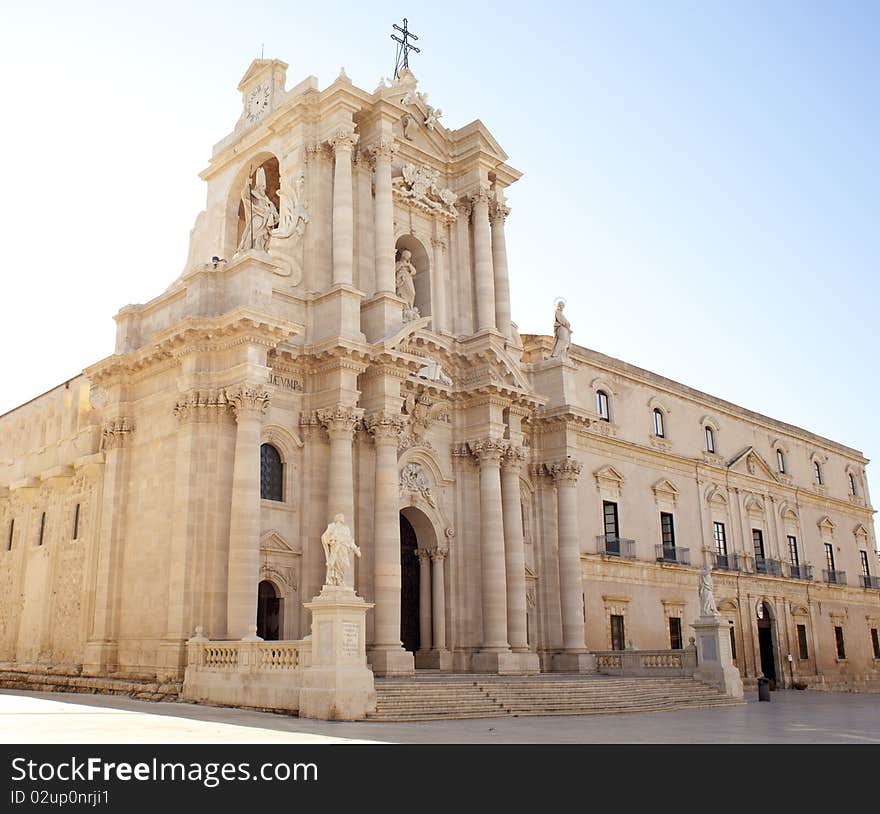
340, 342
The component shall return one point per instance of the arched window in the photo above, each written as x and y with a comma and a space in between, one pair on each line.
710, 439
602, 405
780, 461
852, 485
658, 423
271, 473
817, 472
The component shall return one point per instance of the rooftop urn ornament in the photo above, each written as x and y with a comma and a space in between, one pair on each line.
561, 332
708, 608
338, 546
401, 61
261, 216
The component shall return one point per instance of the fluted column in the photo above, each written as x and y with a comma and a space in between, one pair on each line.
499, 267
438, 556
489, 452
571, 590
438, 285
343, 207
514, 550
484, 276
383, 152
340, 422
425, 627
387, 653
249, 403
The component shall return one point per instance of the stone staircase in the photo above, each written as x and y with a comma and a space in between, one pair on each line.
448, 696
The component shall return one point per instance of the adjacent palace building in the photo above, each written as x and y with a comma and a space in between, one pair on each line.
340, 340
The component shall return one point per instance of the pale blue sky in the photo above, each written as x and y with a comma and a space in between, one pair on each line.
719, 156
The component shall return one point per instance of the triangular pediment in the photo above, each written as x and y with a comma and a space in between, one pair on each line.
750, 462
608, 473
273, 541
665, 488
826, 523
258, 67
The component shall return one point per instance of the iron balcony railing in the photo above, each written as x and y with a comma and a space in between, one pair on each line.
870, 582
834, 577
727, 562
804, 572
671, 553
616, 547
772, 568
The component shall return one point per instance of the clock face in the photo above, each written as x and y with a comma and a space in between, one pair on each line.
257, 102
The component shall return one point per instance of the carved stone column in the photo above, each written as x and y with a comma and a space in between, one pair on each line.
387, 655
101, 651
489, 452
438, 592
340, 422
514, 549
574, 651
425, 627
438, 285
250, 403
343, 208
499, 265
383, 152
483, 273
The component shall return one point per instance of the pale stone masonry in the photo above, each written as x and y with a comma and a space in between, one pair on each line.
516, 512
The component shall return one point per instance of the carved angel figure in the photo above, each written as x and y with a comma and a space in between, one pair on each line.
562, 334
260, 214
432, 116
338, 547
294, 215
422, 413
707, 596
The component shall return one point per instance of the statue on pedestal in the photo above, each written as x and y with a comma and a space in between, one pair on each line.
261, 216
338, 546
404, 273
708, 608
561, 332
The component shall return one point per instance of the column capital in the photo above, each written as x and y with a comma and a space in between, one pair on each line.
498, 212
489, 450
480, 198
382, 150
565, 472
384, 426
339, 421
344, 139
438, 554
203, 406
423, 554
514, 458
439, 243
463, 205
115, 433
248, 400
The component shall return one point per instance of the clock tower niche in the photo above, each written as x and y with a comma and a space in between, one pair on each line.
262, 88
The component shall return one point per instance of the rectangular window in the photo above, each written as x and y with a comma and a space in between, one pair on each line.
612, 530
618, 634
675, 642
803, 651
838, 638
733, 642
792, 549
602, 406
658, 424
667, 530
76, 522
865, 569
780, 460
720, 539
710, 440
829, 556
758, 542
42, 528
11, 532
875, 641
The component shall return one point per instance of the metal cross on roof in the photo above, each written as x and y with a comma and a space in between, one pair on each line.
401, 60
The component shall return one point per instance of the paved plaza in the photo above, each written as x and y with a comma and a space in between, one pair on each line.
791, 717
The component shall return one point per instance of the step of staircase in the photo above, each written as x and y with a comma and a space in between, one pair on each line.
439, 697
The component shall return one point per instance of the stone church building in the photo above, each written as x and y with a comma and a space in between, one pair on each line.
340, 341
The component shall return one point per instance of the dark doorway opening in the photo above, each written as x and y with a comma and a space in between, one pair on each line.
268, 613
765, 646
409, 586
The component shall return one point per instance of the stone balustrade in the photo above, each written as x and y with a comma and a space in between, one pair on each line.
644, 663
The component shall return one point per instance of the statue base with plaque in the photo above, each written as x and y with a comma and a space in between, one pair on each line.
338, 684
714, 661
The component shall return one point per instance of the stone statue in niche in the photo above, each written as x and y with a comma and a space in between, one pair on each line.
707, 595
338, 546
260, 214
294, 215
562, 334
404, 275
409, 126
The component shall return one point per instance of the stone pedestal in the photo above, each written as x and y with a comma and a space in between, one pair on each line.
434, 660
574, 663
714, 662
381, 315
505, 663
338, 685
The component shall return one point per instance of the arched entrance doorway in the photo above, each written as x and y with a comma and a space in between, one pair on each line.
410, 586
268, 612
766, 644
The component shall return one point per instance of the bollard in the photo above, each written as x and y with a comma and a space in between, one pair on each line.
763, 688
